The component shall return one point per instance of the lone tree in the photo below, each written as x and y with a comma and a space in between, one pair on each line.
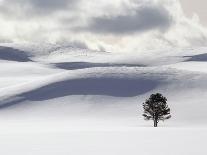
156, 108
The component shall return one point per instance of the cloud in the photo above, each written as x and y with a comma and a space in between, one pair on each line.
144, 19
39, 7
118, 25
52, 5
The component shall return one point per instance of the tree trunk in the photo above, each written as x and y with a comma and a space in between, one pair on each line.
155, 123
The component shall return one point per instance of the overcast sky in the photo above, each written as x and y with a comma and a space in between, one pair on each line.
116, 25
196, 6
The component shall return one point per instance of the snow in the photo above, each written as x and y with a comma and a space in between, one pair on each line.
191, 66
122, 141
66, 100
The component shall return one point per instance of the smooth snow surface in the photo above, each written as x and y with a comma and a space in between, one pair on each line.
65, 100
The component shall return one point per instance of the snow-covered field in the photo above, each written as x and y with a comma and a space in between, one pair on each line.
64, 100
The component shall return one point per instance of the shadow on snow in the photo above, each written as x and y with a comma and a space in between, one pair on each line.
11, 54
116, 87
83, 65
200, 57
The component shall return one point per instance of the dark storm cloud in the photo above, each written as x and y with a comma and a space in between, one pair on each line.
144, 19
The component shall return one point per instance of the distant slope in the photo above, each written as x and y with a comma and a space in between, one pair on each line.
11, 54
83, 82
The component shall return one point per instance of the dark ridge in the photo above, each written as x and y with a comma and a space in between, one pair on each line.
199, 57
83, 65
11, 54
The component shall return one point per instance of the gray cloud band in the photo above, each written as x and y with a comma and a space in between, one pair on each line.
40, 6
144, 19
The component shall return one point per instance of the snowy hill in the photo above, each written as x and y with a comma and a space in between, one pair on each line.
93, 100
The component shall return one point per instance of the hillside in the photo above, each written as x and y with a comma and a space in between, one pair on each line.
73, 100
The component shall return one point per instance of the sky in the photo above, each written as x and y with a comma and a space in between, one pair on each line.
198, 7
117, 26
